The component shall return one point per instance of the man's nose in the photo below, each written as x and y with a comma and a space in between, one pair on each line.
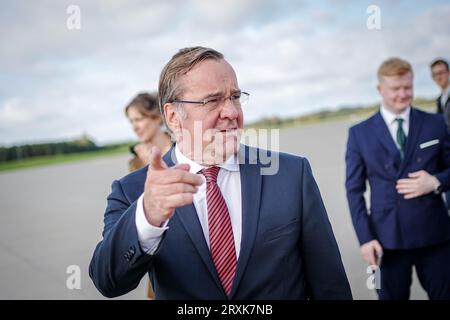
403, 93
229, 110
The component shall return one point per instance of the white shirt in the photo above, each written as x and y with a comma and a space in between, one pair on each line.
229, 182
444, 97
389, 119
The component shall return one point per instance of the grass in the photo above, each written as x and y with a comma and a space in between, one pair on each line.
275, 122
332, 115
63, 158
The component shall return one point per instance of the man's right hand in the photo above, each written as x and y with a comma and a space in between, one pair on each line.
371, 251
167, 189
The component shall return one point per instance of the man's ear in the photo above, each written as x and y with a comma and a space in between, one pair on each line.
172, 117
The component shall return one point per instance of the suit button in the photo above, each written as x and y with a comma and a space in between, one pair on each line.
131, 250
386, 166
419, 159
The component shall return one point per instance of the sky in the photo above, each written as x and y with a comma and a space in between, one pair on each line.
294, 57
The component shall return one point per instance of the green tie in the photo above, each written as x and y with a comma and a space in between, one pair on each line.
401, 138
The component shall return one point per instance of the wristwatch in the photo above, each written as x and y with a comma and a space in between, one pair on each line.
438, 189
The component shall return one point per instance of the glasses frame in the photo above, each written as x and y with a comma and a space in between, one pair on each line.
439, 73
222, 99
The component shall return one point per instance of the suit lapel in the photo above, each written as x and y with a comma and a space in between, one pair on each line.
251, 180
189, 219
169, 158
439, 106
415, 127
446, 104
384, 136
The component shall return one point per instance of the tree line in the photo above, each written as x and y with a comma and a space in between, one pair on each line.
26, 151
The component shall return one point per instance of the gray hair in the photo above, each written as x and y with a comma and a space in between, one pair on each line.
181, 63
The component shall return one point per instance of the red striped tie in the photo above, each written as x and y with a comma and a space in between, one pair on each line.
221, 238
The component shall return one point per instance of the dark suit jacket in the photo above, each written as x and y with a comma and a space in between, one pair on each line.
372, 155
441, 108
288, 250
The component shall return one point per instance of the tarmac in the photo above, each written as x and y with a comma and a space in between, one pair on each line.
51, 218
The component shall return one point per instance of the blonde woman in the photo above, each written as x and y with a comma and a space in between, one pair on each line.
143, 114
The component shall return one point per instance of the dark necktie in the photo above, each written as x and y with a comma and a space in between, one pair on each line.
221, 238
401, 137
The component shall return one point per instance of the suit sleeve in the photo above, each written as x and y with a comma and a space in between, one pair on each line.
444, 175
118, 263
325, 274
355, 184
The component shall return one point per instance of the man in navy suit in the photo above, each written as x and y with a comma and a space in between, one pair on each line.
404, 154
204, 221
441, 75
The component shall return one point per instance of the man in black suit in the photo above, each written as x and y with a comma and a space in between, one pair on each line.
440, 74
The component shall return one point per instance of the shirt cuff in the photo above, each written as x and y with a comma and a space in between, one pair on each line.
149, 236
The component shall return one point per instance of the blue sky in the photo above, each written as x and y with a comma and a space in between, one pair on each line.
294, 57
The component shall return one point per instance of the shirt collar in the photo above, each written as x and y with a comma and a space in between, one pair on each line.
390, 117
446, 93
231, 164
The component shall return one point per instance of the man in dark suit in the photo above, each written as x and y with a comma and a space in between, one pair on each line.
404, 154
211, 220
441, 75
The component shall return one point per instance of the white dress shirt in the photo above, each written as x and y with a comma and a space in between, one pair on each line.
229, 182
389, 119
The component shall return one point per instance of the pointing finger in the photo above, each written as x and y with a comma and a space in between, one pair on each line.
156, 161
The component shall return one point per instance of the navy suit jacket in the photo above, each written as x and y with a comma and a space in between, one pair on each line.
443, 109
372, 155
288, 250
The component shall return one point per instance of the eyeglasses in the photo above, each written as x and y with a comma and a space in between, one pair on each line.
238, 99
439, 73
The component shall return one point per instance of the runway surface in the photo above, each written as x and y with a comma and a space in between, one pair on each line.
51, 218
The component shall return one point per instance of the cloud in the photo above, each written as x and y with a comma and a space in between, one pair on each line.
12, 112
293, 57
